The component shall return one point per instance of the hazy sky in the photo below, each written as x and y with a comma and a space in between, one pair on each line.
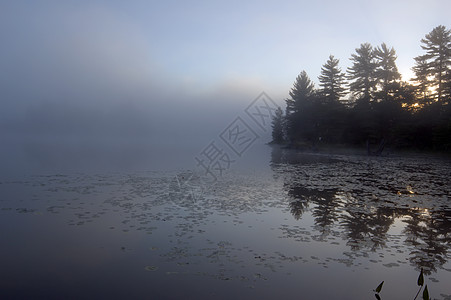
98, 72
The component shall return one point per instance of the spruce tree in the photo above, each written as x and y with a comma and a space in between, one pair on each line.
298, 106
331, 81
301, 92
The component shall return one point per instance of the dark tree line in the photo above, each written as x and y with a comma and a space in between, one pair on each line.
369, 105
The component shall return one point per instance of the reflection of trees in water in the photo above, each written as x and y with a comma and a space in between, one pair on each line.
325, 209
297, 208
365, 223
367, 228
428, 233
300, 200
277, 155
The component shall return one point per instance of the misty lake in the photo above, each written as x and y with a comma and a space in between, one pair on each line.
287, 224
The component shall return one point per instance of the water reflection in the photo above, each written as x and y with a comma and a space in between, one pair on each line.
269, 234
325, 208
428, 234
367, 229
361, 204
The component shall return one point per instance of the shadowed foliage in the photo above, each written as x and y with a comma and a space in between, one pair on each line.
379, 111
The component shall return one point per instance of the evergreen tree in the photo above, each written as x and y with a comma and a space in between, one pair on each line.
302, 91
447, 87
362, 73
301, 98
422, 71
386, 71
314, 118
437, 45
331, 81
278, 127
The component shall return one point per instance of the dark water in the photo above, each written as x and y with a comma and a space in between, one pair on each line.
306, 226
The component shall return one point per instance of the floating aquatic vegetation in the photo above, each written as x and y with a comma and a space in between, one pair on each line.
339, 213
151, 268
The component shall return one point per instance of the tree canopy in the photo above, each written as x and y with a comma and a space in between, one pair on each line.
435, 63
362, 73
332, 80
369, 105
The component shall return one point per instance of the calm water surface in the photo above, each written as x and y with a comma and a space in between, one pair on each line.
306, 226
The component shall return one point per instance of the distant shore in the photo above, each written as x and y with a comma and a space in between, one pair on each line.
360, 150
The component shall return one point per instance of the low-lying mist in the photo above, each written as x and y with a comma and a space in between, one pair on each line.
88, 95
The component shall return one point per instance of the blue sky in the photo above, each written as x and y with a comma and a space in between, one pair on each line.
202, 45
97, 73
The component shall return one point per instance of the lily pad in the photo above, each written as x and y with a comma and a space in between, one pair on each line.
151, 268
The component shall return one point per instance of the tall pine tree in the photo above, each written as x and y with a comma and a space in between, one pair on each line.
301, 93
362, 72
298, 105
386, 72
437, 45
331, 81
422, 71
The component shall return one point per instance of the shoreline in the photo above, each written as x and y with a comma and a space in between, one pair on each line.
361, 151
